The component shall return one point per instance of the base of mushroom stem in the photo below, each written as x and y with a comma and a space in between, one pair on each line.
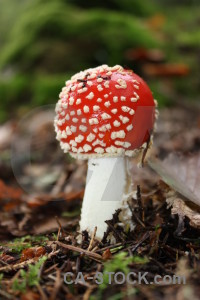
108, 188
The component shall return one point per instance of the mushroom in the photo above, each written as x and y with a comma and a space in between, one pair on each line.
106, 115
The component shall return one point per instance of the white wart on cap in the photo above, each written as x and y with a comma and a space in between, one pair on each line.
104, 112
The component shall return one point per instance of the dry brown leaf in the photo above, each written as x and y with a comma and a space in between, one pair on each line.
30, 295
107, 254
184, 209
6, 258
42, 200
32, 252
10, 193
49, 225
181, 174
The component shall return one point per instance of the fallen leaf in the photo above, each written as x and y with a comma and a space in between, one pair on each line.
181, 174
106, 254
6, 258
9, 193
183, 209
30, 295
50, 225
32, 252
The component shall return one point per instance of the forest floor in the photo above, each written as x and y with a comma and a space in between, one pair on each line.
40, 210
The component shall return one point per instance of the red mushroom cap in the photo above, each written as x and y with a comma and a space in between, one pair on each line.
105, 111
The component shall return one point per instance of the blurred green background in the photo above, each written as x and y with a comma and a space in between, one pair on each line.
43, 42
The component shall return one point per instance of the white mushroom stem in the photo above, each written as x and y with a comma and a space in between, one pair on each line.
107, 189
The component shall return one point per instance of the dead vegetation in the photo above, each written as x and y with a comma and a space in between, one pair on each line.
39, 220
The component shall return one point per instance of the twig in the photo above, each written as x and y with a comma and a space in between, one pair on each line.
59, 227
135, 217
84, 283
165, 238
78, 264
140, 204
3, 262
92, 239
6, 295
25, 263
57, 286
58, 234
144, 238
42, 293
115, 231
109, 247
61, 180
50, 268
59, 231
113, 221
88, 292
24, 221
80, 250
15, 277
94, 249
146, 292
145, 151
160, 265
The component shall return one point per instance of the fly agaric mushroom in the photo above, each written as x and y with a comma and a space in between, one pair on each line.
106, 115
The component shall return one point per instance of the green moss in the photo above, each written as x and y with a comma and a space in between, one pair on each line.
29, 91
158, 88
50, 28
1, 277
55, 39
47, 88
13, 91
28, 278
14, 88
25, 242
182, 26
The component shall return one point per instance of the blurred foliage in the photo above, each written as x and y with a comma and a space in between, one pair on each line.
9, 12
48, 39
29, 278
43, 42
49, 35
134, 7
182, 35
185, 25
